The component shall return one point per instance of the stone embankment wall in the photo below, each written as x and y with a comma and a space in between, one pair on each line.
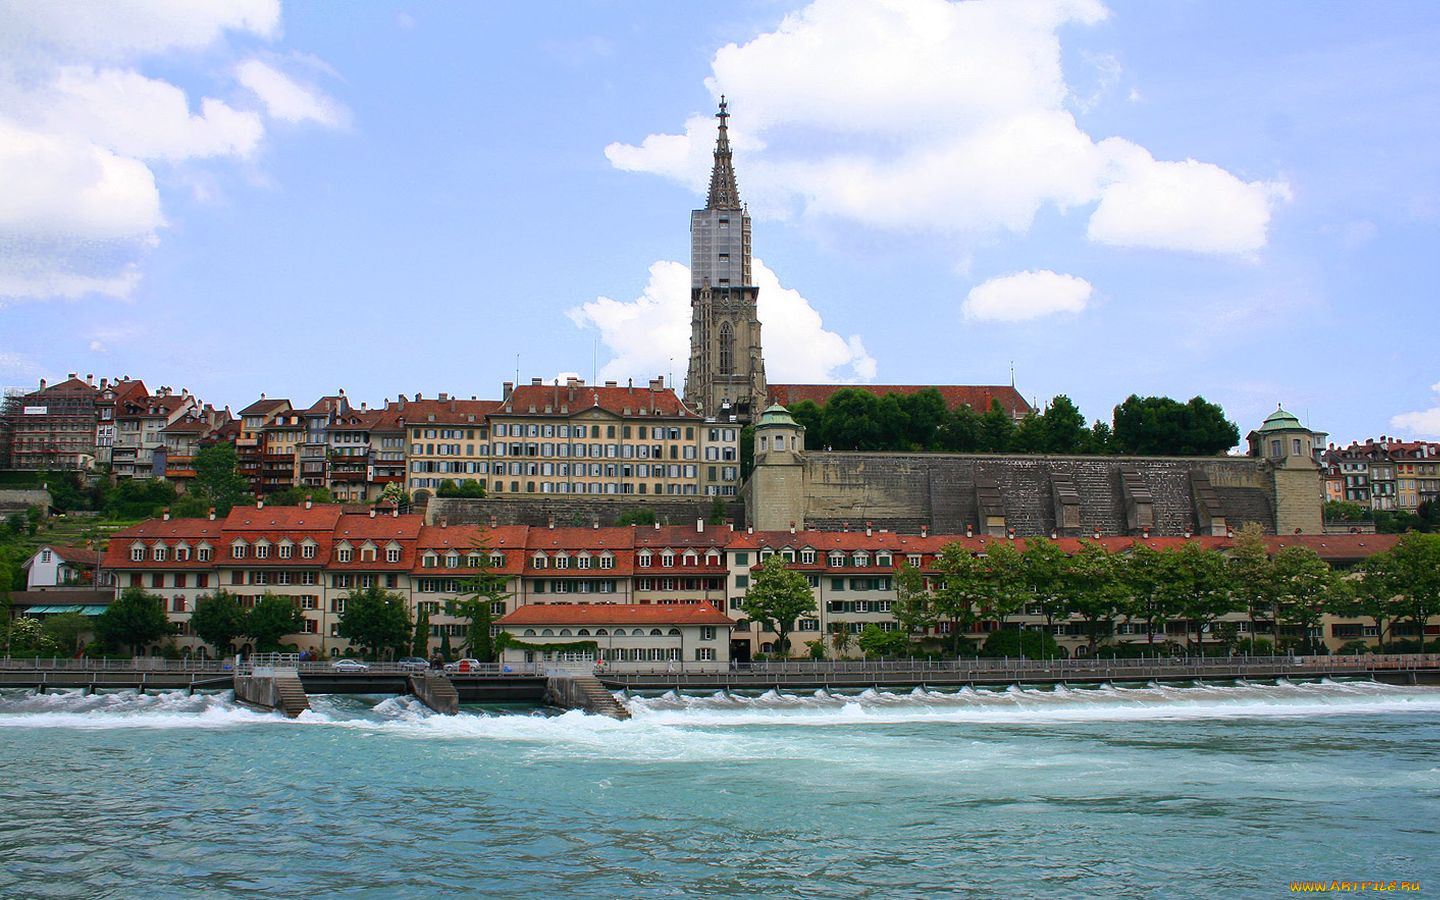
573, 511
17, 499
905, 492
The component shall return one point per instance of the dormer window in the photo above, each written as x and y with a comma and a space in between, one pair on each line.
307, 550
837, 558
496, 560
452, 559
237, 550
262, 551
430, 560
787, 554
204, 553
562, 561
392, 554
182, 552
368, 552
862, 558
690, 559
913, 559
807, 555
883, 559
582, 561
643, 559
538, 561
667, 559
607, 560
286, 550
137, 553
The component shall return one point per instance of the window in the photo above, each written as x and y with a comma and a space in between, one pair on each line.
237, 550
707, 633
262, 551
704, 654
392, 554
742, 581
727, 349
286, 551
203, 554
344, 554
137, 553
307, 551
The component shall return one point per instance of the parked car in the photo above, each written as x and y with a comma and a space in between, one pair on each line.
463, 665
349, 665
413, 663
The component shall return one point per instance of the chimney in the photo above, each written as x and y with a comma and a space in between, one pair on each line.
90, 380
845, 527
700, 526
395, 512
536, 382
165, 515
792, 526
1145, 532
1054, 534
924, 531
657, 526
444, 523
506, 389
212, 513
444, 396
259, 504
1229, 532
71, 376
1187, 534
595, 523
494, 521
372, 512
1096, 533
749, 529
308, 501
969, 530
42, 384
1010, 532
550, 523
867, 529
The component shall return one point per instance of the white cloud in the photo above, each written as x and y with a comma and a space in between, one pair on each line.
88, 144
952, 117
1026, 295
651, 334
121, 29
288, 100
1424, 423
1180, 205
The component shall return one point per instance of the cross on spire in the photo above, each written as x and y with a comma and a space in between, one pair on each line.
724, 192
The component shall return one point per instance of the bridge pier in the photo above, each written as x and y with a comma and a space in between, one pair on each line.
280, 690
435, 691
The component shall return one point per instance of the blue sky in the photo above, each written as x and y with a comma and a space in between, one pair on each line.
1230, 199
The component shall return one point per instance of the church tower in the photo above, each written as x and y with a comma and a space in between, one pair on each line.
727, 369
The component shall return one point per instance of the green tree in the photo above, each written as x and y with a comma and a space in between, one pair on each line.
1096, 589
1029, 436
272, 618
1306, 589
1197, 583
1042, 573
140, 498
914, 606
1410, 572
718, 514
962, 581
27, 637
218, 620
66, 631
217, 483
880, 644
1144, 573
840, 637
747, 450
420, 644
296, 495
1161, 426
960, 432
376, 620
925, 415
1345, 511
777, 596
808, 416
483, 595
1255, 585
851, 420
133, 620
637, 516
1064, 426
1100, 439
466, 487
997, 429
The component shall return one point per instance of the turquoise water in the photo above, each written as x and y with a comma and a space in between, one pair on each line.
1143, 792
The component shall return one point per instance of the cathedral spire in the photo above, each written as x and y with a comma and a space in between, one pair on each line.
724, 192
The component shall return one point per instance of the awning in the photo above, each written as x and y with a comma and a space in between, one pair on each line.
82, 610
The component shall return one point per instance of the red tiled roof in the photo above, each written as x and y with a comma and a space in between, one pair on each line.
678, 536
616, 614
638, 400
70, 386
265, 407
977, 396
450, 411
331, 403
80, 556
321, 516
580, 539
172, 532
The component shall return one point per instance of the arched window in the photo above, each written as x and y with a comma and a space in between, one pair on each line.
546, 632
675, 631
529, 632
655, 632
565, 632
727, 349
583, 632
601, 632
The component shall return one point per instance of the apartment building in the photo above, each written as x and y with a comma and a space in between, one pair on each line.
250, 439
447, 440
50, 428
174, 459
140, 424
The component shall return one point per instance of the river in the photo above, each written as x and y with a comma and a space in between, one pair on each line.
1137, 791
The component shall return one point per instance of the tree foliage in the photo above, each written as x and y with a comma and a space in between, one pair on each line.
140, 498
376, 620
777, 596
465, 487
272, 618
218, 620
638, 516
296, 495
878, 643
1161, 426
133, 620
217, 483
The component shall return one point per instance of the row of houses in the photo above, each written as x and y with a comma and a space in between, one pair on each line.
560, 580
537, 439
1384, 474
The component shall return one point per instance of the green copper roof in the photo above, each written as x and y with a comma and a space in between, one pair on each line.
775, 414
1280, 420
